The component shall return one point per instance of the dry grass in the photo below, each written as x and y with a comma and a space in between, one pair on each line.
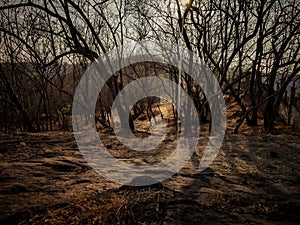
123, 206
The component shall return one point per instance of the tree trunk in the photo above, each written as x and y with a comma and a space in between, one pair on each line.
269, 121
270, 113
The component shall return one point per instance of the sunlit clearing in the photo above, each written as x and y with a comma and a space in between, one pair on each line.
185, 2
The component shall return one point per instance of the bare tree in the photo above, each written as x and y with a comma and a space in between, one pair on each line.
252, 47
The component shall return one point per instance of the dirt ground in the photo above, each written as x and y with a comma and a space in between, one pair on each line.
255, 179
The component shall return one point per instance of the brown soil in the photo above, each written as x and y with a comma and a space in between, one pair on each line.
255, 179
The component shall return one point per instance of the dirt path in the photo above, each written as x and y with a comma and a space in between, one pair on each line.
254, 180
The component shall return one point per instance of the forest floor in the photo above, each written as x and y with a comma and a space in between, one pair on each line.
255, 179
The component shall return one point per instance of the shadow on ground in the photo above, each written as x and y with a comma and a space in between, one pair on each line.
253, 180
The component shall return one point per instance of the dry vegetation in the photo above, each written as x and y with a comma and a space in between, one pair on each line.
253, 180
253, 49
